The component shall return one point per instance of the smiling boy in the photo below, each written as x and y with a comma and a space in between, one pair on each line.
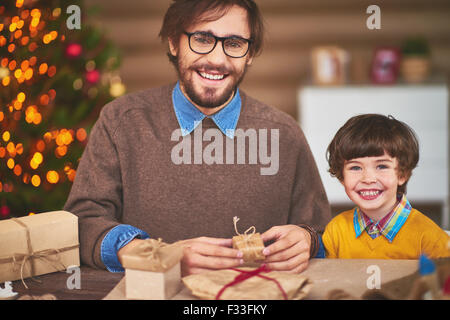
373, 156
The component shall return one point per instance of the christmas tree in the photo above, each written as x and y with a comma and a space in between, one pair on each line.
56, 73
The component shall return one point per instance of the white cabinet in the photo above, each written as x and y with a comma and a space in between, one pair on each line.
323, 110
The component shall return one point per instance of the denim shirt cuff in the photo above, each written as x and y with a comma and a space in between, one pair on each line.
115, 239
321, 251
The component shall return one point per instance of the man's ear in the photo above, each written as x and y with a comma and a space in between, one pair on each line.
250, 60
172, 47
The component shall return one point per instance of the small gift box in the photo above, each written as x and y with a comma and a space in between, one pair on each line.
250, 244
38, 244
248, 284
152, 270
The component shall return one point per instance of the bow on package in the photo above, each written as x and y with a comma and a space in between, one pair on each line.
153, 255
250, 243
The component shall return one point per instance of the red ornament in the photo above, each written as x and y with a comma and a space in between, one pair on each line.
92, 76
385, 65
4, 211
73, 50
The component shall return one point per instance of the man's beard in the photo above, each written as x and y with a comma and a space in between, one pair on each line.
209, 98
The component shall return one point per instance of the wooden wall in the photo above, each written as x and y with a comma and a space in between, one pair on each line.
293, 28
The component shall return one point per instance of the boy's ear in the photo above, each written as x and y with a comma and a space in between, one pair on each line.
402, 179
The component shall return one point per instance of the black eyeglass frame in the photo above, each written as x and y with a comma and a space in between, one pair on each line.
217, 39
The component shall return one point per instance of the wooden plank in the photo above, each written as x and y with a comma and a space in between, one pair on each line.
95, 285
282, 97
147, 8
299, 28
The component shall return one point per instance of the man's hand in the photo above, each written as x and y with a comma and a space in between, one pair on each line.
205, 254
290, 251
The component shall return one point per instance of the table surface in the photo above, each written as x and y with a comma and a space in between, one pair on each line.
350, 275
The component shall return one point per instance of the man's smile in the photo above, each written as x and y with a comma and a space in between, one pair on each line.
211, 76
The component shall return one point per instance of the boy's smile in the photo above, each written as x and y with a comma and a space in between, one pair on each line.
369, 194
371, 183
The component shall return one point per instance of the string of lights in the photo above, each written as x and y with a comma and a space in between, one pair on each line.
53, 83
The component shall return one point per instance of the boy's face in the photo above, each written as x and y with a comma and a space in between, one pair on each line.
371, 183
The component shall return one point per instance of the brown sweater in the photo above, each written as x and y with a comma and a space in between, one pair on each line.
127, 175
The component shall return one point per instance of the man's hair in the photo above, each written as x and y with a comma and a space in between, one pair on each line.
371, 135
184, 13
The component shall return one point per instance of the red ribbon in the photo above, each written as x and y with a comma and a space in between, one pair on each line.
244, 275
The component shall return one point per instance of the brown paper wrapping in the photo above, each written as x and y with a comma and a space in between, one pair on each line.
207, 285
38, 244
250, 244
153, 255
147, 285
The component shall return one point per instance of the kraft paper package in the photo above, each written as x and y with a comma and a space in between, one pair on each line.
248, 284
250, 244
38, 244
152, 270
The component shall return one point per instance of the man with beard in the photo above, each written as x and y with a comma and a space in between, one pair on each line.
127, 188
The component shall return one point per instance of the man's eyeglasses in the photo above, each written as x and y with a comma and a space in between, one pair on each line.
205, 42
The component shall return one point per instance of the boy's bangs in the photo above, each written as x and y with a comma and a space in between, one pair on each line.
367, 145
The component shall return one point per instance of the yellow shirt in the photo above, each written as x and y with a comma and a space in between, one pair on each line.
419, 235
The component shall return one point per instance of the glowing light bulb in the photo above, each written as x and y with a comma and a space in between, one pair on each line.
36, 180
6, 136
52, 177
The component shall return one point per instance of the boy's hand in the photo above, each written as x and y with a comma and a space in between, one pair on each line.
290, 251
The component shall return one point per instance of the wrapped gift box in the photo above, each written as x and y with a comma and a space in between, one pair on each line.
248, 284
148, 285
251, 246
38, 244
152, 270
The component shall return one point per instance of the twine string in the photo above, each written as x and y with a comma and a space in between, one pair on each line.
150, 248
244, 275
246, 234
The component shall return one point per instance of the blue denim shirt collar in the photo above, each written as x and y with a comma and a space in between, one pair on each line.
189, 116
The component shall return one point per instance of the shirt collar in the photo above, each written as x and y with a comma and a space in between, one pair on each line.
388, 226
189, 116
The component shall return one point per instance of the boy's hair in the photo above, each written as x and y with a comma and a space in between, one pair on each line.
184, 13
371, 135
